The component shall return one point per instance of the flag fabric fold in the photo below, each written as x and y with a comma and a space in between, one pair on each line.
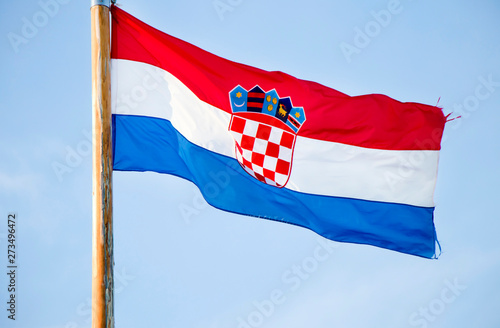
266, 144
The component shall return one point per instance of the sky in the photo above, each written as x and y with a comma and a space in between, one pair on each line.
212, 269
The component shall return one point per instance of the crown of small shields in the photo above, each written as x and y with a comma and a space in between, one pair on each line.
269, 103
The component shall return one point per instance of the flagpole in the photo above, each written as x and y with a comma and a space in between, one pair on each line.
102, 210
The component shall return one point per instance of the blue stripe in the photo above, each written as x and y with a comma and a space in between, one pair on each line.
153, 144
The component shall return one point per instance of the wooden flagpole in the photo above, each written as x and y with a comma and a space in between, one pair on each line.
102, 166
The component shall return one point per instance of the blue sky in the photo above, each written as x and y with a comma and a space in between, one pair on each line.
214, 269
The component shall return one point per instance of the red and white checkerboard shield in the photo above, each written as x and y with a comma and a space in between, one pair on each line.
263, 148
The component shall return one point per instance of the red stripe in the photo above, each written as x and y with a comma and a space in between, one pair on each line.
373, 121
256, 95
254, 104
266, 119
293, 121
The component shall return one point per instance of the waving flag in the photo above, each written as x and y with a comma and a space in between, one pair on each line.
265, 144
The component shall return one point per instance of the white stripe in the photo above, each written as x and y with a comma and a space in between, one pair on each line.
319, 167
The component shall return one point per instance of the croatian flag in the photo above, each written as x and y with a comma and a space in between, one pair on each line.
265, 144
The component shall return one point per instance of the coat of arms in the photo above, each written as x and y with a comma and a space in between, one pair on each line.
264, 128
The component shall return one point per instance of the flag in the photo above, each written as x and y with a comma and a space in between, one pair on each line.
265, 144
